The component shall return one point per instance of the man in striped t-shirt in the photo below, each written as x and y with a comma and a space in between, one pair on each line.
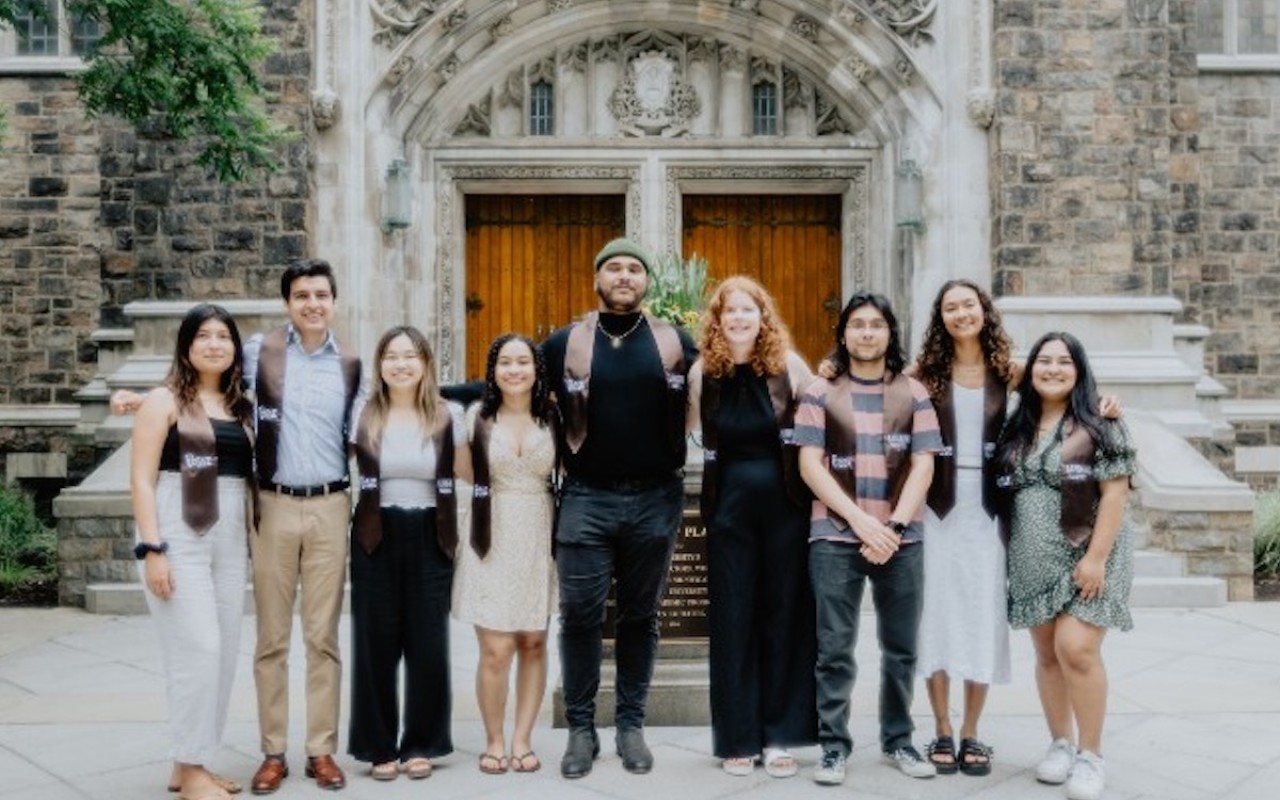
867, 439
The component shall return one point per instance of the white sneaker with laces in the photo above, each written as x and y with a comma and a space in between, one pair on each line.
910, 763
1088, 777
830, 770
1055, 767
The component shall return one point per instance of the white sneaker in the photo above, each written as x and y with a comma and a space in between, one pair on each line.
1055, 767
830, 771
909, 762
1087, 777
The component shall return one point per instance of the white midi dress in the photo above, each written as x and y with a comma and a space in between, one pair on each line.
964, 629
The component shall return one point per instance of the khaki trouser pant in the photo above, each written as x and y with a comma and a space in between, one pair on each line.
299, 540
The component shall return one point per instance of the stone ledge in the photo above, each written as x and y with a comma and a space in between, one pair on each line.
42, 416
1086, 304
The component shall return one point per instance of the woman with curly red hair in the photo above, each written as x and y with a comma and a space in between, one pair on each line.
742, 394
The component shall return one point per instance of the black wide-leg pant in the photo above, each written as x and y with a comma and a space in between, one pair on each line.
400, 598
763, 645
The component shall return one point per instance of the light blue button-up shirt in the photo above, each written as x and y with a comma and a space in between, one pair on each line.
313, 446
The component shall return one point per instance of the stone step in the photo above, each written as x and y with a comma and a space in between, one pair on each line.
1157, 564
127, 598
1178, 592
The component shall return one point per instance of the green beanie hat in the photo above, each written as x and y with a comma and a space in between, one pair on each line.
625, 247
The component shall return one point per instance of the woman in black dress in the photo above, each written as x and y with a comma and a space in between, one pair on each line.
742, 394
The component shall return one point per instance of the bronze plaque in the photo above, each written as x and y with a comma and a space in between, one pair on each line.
683, 614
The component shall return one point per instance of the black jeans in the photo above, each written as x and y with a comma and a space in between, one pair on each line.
603, 534
838, 573
400, 611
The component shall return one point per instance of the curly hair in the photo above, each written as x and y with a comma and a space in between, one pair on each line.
938, 351
491, 399
769, 356
183, 379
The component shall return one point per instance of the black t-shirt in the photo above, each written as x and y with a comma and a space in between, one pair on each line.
628, 408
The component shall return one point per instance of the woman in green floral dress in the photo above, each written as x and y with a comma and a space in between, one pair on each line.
1066, 473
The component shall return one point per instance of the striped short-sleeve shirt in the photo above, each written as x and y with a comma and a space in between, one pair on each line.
869, 465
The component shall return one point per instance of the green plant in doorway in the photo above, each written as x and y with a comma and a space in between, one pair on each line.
28, 547
1266, 535
678, 290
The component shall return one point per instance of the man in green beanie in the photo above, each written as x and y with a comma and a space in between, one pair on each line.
619, 377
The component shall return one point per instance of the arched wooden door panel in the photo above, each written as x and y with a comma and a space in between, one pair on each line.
789, 243
529, 263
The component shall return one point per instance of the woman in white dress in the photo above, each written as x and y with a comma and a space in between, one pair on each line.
505, 584
966, 363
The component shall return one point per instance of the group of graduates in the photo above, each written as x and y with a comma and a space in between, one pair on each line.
971, 491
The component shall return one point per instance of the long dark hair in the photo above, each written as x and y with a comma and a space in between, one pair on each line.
938, 352
183, 379
1082, 405
491, 399
894, 360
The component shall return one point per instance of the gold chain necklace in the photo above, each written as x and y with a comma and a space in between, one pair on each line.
616, 340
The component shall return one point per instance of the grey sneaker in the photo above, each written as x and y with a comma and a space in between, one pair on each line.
830, 770
1055, 767
910, 763
1088, 777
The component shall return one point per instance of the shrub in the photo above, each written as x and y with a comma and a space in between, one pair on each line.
678, 290
1266, 534
28, 547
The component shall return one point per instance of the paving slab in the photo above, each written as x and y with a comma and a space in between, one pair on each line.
1194, 715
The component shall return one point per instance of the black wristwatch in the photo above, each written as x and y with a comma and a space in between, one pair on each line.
898, 527
141, 549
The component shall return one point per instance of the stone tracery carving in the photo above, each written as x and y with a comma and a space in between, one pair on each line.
861, 69
654, 98
574, 58
477, 120
749, 6
910, 19
559, 5
502, 28
456, 19
395, 19
806, 27
400, 69
324, 108
511, 95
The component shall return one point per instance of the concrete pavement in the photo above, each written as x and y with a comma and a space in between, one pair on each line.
1195, 714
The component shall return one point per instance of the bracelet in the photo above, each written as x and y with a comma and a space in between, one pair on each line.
141, 549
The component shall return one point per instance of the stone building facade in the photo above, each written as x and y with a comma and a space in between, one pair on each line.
1069, 149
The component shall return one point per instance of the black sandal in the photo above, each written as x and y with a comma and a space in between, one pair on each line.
943, 746
981, 755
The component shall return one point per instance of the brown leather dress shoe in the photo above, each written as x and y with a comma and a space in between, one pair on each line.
326, 771
269, 776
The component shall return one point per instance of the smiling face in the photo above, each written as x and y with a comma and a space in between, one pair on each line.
962, 313
740, 320
866, 335
1053, 373
514, 370
621, 283
401, 366
310, 306
213, 350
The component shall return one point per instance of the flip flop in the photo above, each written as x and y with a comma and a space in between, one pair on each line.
493, 765
519, 763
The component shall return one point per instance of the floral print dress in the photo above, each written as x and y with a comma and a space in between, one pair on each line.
1040, 557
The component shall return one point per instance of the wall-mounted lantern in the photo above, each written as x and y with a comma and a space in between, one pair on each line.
397, 198
908, 200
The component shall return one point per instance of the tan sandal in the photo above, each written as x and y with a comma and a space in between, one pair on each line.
221, 781
418, 768
386, 771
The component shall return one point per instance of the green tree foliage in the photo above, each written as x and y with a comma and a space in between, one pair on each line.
184, 68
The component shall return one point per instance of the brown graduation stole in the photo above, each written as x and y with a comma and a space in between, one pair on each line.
783, 400
269, 386
577, 376
842, 437
198, 462
1080, 491
942, 491
368, 513
481, 533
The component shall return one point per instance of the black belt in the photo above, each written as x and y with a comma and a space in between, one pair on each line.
306, 491
629, 484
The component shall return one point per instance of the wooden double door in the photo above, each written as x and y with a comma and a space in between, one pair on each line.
529, 259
